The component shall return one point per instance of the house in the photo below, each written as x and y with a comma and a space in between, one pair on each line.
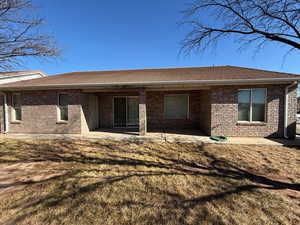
221, 100
298, 105
13, 76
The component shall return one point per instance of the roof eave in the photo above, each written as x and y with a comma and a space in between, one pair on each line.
154, 83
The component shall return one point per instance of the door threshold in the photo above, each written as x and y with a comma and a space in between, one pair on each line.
125, 127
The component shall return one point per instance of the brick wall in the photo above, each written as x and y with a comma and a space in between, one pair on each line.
205, 111
155, 111
89, 112
214, 111
292, 112
224, 113
2, 117
39, 113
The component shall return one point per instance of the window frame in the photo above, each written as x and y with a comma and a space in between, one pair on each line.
250, 108
188, 106
59, 120
13, 110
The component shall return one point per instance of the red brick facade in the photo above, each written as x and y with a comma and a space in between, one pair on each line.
224, 113
39, 113
214, 111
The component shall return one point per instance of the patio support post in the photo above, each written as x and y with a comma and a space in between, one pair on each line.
142, 113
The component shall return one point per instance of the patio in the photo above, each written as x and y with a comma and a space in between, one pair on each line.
162, 135
172, 136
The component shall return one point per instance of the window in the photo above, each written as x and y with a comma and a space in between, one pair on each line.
176, 106
252, 105
16, 107
62, 107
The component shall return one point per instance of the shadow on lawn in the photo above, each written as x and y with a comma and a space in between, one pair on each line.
66, 151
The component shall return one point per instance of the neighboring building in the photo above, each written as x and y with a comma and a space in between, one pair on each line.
13, 76
223, 100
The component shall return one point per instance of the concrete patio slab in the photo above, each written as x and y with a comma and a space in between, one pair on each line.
156, 136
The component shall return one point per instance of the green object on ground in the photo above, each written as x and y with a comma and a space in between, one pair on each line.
219, 138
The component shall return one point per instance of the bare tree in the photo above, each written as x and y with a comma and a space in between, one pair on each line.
249, 21
20, 35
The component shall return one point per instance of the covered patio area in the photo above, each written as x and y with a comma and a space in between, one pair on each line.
179, 111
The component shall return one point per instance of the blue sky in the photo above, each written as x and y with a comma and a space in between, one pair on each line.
114, 34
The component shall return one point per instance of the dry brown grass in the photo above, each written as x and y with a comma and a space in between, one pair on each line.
81, 182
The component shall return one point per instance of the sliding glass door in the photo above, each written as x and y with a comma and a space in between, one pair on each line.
126, 111
119, 112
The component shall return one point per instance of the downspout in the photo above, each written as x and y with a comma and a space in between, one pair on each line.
286, 108
5, 112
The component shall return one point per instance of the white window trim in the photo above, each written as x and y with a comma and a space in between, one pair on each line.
13, 111
250, 110
188, 106
59, 120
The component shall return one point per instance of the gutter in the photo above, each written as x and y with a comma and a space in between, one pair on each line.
5, 112
153, 83
286, 108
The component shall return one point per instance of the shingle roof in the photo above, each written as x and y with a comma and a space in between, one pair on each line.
215, 73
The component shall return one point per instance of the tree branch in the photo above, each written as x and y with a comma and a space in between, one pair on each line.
273, 20
19, 34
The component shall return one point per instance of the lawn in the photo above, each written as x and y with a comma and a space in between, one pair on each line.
88, 182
